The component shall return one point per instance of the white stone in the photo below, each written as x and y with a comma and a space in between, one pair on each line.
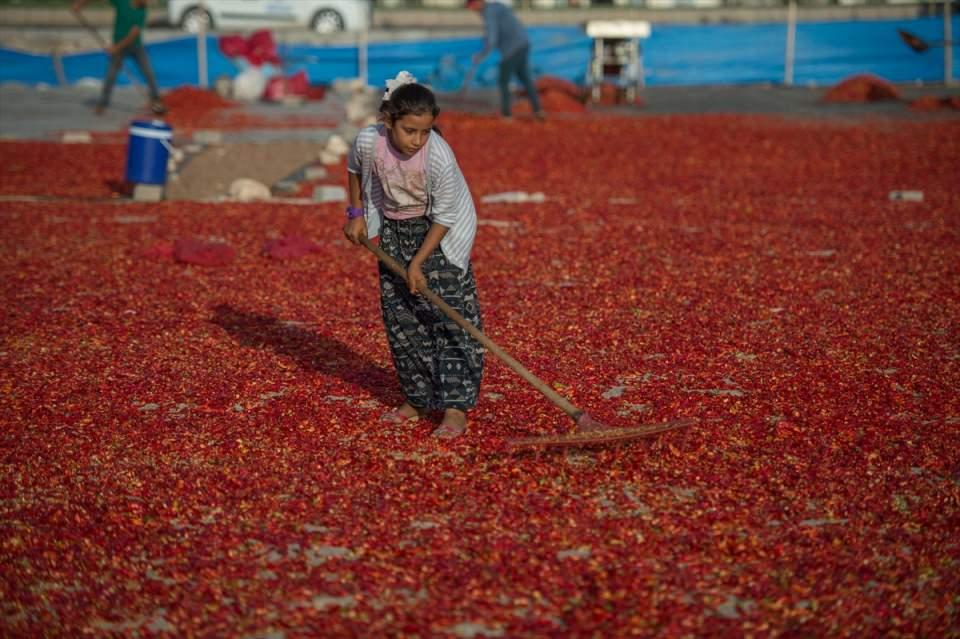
336, 144
223, 86
286, 186
314, 173
208, 136
329, 193
148, 192
360, 107
326, 157
76, 137
89, 83
347, 86
906, 196
513, 197
500, 224
247, 190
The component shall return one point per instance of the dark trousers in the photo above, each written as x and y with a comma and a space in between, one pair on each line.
139, 55
440, 365
517, 65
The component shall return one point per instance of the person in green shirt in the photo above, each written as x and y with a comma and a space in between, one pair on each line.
128, 25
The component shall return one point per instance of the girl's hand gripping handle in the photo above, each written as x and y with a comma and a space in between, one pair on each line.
355, 229
415, 278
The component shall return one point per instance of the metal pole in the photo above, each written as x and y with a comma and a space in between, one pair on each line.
362, 56
947, 44
202, 51
791, 42
58, 66
596, 69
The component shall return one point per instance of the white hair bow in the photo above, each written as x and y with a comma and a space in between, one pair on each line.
404, 77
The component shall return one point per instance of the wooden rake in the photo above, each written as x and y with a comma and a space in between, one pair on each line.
587, 431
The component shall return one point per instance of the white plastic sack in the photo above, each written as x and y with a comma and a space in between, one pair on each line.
249, 85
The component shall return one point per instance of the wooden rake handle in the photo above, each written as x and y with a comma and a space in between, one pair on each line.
92, 29
560, 401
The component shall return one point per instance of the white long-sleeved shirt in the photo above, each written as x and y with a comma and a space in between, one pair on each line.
449, 201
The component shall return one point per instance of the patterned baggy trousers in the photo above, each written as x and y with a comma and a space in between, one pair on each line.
439, 364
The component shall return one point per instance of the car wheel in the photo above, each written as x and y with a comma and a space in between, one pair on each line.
194, 19
327, 21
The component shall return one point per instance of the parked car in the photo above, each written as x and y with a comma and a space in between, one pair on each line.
323, 16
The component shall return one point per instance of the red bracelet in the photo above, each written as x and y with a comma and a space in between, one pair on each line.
354, 212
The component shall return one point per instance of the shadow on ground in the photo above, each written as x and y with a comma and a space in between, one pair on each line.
309, 349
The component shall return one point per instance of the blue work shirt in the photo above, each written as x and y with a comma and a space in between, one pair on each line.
503, 31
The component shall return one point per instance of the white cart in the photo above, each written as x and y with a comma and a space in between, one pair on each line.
617, 55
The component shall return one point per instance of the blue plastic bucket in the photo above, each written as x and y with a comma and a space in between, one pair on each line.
148, 149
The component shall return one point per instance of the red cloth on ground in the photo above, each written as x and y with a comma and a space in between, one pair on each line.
202, 253
290, 247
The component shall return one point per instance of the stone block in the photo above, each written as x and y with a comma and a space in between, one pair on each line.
315, 173
286, 186
328, 158
336, 144
148, 192
223, 86
329, 193
76, 137
906, 196
208, 136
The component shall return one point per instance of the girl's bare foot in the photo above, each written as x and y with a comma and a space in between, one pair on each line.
405, 413
454, 424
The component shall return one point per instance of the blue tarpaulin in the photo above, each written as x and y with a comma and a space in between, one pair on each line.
826, 52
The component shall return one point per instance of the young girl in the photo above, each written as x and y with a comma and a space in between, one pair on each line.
406, 187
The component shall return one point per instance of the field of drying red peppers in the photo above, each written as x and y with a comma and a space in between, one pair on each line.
194, 451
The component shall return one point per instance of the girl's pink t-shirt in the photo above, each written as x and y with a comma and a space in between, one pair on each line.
404, 180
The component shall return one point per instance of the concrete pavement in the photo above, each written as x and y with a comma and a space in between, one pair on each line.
43, 114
